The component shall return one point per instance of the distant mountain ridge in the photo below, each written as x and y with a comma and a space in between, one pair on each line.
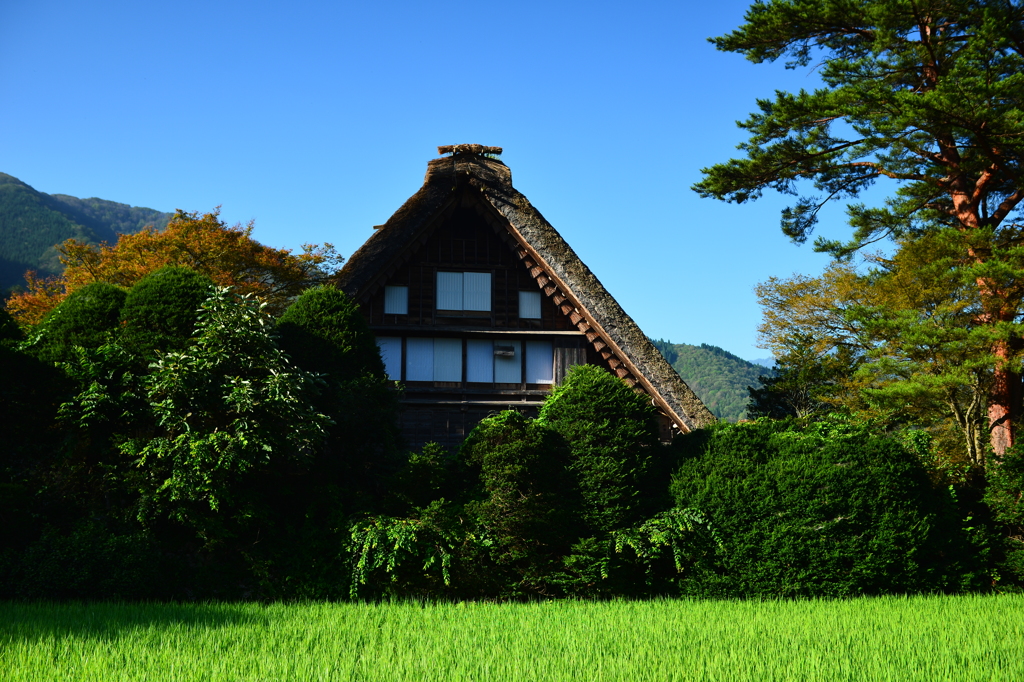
32, 223
718, 377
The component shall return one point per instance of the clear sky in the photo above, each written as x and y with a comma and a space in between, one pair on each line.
317, 119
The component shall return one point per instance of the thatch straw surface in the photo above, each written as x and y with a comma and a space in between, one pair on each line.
446, 178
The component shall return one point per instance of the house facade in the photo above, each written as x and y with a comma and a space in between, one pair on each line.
479, 305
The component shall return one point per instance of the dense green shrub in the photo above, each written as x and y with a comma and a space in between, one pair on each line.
538, 515
89, 562
827, 510
30, 391
529, 517
612, 432
431, 473
161, 310
323, 331
500, 534
108, 402
85, 318
229, 409
1003, 496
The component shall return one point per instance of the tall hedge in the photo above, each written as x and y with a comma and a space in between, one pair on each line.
613, 439
84, 318
324, 331
161, 310
529, 512
827, 510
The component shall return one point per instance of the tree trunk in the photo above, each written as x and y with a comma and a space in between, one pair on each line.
1003, 401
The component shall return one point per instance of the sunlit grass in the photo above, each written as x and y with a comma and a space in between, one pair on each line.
921, 638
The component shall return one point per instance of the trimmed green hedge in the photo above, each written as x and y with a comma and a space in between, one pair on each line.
826, 510
85, 318
160, 312
612, 433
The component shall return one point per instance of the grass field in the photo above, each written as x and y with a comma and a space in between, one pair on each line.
924, 638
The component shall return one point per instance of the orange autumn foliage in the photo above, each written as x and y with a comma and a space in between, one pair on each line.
227, 254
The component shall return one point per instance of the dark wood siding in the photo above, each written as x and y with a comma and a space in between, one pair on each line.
447, 425
465, 241
568, 354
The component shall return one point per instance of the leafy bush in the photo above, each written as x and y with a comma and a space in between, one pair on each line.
90, 562
30, 390
161, 310
428, 555
229, 408
430, 474
85, 318
827, 510
529, 516
538, 515
323, 331
1003, 495
612, 433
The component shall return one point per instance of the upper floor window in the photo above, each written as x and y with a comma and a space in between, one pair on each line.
529, 305
396, 300
464, 291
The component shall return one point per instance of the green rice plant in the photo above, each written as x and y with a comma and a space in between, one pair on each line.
884, 638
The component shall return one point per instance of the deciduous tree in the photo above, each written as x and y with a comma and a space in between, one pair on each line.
905, 339
226, 254
230, 408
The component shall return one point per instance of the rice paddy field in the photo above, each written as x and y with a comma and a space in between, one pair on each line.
919, 638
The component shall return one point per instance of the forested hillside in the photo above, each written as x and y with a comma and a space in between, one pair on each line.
32, 223
718, 377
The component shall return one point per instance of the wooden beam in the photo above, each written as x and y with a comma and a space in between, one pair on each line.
472, 331
474, 403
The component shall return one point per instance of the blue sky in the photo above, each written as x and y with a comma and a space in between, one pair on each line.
317, 119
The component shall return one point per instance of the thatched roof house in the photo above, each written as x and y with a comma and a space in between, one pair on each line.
524, 293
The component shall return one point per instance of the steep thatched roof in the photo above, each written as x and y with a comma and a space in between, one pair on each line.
556, 267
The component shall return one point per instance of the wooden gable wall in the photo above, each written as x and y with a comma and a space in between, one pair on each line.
465, 241
464, 237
